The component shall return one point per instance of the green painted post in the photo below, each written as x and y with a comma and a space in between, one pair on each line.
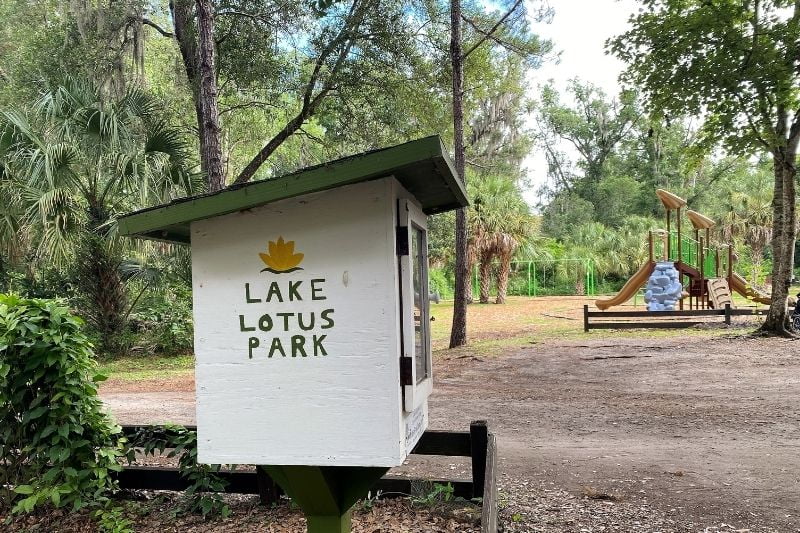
529, 278
326, 494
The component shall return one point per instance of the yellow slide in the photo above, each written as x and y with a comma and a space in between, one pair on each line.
740, 285
629, 289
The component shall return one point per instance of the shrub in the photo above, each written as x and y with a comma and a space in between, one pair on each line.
204, 483
439, 283
56, 444
163, 322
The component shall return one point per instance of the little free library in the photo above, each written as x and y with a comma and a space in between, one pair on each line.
311, 318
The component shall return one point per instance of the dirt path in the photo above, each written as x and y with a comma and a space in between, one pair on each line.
705, 432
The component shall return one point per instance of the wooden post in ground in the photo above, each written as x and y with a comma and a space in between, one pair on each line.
586, 318
489, 505
728, 314
479, 441
268, 490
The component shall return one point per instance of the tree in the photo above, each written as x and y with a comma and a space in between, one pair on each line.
736, 63
458, 330
75, 160
499, 223
749, 218
510, 32
211, 147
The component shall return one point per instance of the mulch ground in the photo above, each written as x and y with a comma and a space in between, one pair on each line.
157, 514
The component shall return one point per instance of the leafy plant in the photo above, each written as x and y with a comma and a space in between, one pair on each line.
57, 445
181, 443
111, 519
438, 494
163, 322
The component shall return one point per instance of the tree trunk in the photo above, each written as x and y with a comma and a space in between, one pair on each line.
502, 278
185, 34
783, 237
211, 147
458, 332
485, 277
104, 300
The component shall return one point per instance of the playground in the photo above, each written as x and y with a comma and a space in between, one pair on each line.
656, 430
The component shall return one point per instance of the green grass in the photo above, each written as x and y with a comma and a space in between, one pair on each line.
492, 329
141, 368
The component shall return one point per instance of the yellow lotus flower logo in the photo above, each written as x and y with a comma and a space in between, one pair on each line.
281, 258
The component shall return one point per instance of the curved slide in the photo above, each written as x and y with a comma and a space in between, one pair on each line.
740, 285
629, 289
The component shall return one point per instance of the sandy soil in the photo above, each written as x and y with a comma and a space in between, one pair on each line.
696, 432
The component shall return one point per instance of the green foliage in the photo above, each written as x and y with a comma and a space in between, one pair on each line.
733, 62
162, 322
112, 519
441, 283
204, 485
438, 494
57, 445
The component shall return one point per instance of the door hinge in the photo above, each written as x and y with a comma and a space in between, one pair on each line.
406, 371
401, 240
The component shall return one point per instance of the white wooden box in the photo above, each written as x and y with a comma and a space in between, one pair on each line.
339, 400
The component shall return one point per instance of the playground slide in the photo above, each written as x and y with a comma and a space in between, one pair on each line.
740, 285
629, 289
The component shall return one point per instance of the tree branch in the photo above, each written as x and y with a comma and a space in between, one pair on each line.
310, 101
505, 44
488, 34
159, 29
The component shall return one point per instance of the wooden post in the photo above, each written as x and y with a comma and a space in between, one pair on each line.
650, 245
489, 508
268, 490
728, 314
730, 267
668, 250
680, 244
586, 318
701, 260
716, 261
479, 441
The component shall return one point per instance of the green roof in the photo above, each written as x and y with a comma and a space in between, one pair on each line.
422, 167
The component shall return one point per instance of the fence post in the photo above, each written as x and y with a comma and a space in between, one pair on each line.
529, 278
586, 318
268, 490
728, 314
478, 441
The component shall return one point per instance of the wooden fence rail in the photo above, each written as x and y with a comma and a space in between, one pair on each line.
477, 443
681, 319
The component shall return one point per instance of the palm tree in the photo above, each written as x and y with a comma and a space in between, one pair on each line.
74, 160
750, 219
499, 222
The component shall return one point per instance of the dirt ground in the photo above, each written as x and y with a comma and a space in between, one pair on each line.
641, 431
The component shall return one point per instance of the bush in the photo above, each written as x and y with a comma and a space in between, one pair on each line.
163, 322
440, 284
202, 495
56, 444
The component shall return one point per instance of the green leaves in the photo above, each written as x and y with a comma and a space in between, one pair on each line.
56, 443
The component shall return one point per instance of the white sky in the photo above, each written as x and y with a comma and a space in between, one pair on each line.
579, 30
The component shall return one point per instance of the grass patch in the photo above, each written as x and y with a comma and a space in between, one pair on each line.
141, 368
523, 321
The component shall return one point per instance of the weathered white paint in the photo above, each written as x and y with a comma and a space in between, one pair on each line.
345, 408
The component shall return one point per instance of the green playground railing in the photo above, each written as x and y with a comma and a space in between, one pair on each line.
689, 251
547, 277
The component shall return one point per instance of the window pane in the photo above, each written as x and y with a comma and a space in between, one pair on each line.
421, 320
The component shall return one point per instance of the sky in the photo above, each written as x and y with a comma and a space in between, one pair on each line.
578, 30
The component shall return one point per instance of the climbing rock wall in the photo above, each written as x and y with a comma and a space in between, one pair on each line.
663, 289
